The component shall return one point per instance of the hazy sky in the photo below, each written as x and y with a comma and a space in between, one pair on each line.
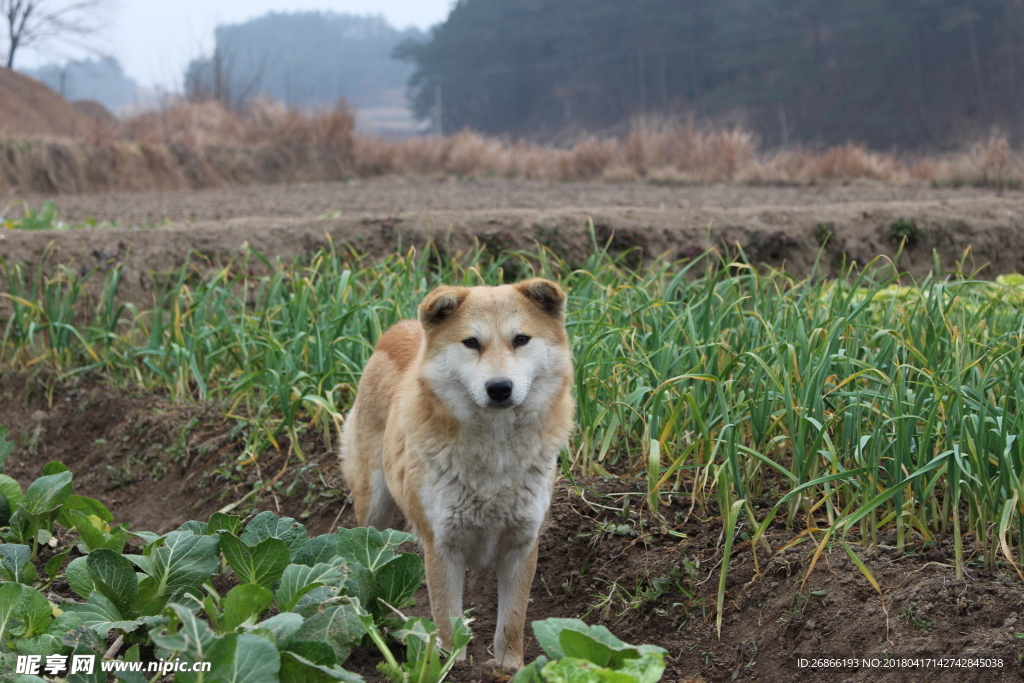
155, 39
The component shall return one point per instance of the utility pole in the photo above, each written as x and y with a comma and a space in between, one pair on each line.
783, 126
664, 84
438, 126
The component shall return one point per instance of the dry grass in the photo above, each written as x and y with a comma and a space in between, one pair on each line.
187, 145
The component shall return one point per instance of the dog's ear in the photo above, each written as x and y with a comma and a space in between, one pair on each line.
545, 294
440, 304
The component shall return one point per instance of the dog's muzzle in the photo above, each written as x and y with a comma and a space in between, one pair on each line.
499, 390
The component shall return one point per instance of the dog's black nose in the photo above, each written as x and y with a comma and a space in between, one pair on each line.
499, 390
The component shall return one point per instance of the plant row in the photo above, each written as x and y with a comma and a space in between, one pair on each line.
857, 406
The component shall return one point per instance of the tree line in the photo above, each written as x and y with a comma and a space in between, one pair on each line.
305, 59
907, 73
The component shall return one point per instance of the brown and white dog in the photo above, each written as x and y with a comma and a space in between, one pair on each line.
458, 423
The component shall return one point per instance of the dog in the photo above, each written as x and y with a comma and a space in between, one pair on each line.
457, 424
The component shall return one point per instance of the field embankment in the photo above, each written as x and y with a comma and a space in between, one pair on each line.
985, 234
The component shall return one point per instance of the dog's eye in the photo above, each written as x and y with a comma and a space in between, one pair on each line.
520, 340
471, 343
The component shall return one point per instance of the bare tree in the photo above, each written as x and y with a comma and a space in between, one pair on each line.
36, 21
214, 78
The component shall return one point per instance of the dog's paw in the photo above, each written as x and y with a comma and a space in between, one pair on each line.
508, 664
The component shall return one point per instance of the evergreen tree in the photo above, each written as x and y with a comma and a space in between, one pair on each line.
885, 72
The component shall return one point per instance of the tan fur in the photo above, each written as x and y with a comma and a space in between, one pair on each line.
472, 477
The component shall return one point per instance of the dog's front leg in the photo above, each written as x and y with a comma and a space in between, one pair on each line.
446, 573
515, 571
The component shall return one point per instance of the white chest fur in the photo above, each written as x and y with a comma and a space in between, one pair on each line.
490, 489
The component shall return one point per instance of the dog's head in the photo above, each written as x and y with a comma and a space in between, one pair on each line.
496, 347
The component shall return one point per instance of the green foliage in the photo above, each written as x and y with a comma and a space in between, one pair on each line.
391, 579
176, 565
16, 563
589, 654
47, 217
241, 606
261, 564
32, 522
153, 598
853, 405
423, 655
423, 650
299, 579
5, 447
904, 230
43, 218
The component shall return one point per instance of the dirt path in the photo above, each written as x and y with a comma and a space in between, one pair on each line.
401, 195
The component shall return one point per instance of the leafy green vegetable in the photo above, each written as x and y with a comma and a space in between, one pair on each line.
244, 658
94, 534
114, 576
423, 652
5, 447
268, 525
79, 578
32, 522
377, 574
398, 580
152, 598
87, 506
101, 615
243, 604
53, 567
34, 611
297, 669
221, 522
183, 561
10, 496
16, 563
370, 547
185, 634
261, 564
280, 627
337, 625
47, 493
10, 599
194, 527
320, 550
298, 579
590, 654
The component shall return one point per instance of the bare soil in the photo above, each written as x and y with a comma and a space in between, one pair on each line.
785, 227
603, 557
395, 196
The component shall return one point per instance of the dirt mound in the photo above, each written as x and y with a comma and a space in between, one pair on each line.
603, 556
396, 196
96, 111
30, 108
